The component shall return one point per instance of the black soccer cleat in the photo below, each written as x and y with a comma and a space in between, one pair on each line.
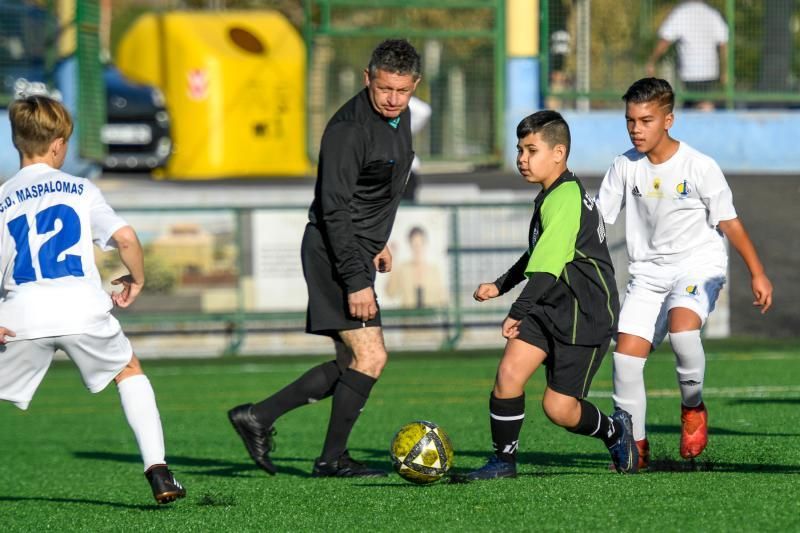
345, 466
624, 452
495, 468
257, 439
165, 487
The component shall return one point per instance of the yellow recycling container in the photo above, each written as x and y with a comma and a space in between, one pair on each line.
234, 84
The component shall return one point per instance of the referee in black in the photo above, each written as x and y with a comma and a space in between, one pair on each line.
364, 163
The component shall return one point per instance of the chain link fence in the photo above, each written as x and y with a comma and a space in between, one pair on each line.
733, 53
37, 41
461, 43
27, 34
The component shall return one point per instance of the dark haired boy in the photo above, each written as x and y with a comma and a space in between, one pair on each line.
565, 315
677, 206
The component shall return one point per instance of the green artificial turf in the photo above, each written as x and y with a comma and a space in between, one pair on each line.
71, 462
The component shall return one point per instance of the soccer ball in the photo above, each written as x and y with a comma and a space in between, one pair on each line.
421, 452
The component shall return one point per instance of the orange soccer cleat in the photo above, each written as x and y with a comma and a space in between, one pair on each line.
694, 430
644, 453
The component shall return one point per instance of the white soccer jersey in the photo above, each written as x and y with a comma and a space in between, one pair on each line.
671, 209
698, 29
50, 283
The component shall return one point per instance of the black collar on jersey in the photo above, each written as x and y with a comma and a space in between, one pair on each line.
365, 96
565, 176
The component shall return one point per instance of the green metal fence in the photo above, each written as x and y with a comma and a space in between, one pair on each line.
462, 46
91, 87
202, 273
592, 50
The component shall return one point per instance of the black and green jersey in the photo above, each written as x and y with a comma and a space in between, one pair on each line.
571, 288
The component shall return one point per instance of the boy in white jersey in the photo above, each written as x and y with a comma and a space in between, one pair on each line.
50, 293
678, 207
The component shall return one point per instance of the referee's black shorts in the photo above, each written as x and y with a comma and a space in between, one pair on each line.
328, 311
570, 367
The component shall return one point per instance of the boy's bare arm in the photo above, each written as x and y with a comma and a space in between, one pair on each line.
486, 291
740, 240
132, 256
504, 283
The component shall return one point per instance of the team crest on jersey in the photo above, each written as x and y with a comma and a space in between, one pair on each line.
655, 189
683, 189
692, 289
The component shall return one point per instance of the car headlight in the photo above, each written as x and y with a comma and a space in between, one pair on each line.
157, 96
164, 146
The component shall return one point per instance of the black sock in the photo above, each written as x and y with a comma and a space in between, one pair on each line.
314, 385
594, 423
505, 417
349, 399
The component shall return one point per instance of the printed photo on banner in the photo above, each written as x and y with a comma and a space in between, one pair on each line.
420, 264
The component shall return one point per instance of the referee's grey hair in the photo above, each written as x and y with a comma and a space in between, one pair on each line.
551, 124
396, 56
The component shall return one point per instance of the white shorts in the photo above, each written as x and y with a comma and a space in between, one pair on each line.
652, 292
99, 355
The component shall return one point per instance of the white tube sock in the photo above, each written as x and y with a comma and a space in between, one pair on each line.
629, 393
139, 404
690, 365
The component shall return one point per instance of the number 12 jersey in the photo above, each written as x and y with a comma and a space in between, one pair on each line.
50, 283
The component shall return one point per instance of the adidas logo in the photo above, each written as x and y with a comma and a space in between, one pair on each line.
636, 192
690, 383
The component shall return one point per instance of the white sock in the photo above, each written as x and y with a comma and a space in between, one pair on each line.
690, 359
629, 393
139, 405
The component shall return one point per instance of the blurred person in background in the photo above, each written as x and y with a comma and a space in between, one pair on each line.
560, 49
701, 36
420, 115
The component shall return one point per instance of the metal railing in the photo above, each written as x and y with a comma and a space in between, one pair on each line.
592, 50
204, 275
462, 44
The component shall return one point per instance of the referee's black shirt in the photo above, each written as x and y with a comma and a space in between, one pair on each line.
364, 163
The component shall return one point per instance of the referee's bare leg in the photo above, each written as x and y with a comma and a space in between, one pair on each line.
349, 399
353, 389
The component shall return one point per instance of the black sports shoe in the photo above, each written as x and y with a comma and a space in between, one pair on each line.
624, 452
165, 487
257, 439
495, 468
345, 466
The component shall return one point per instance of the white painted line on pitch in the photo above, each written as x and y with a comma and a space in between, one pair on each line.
755, 356
720, 392
247, 368
211, 370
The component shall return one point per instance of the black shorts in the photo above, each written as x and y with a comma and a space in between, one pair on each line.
328, 311
699, 87
570, 367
